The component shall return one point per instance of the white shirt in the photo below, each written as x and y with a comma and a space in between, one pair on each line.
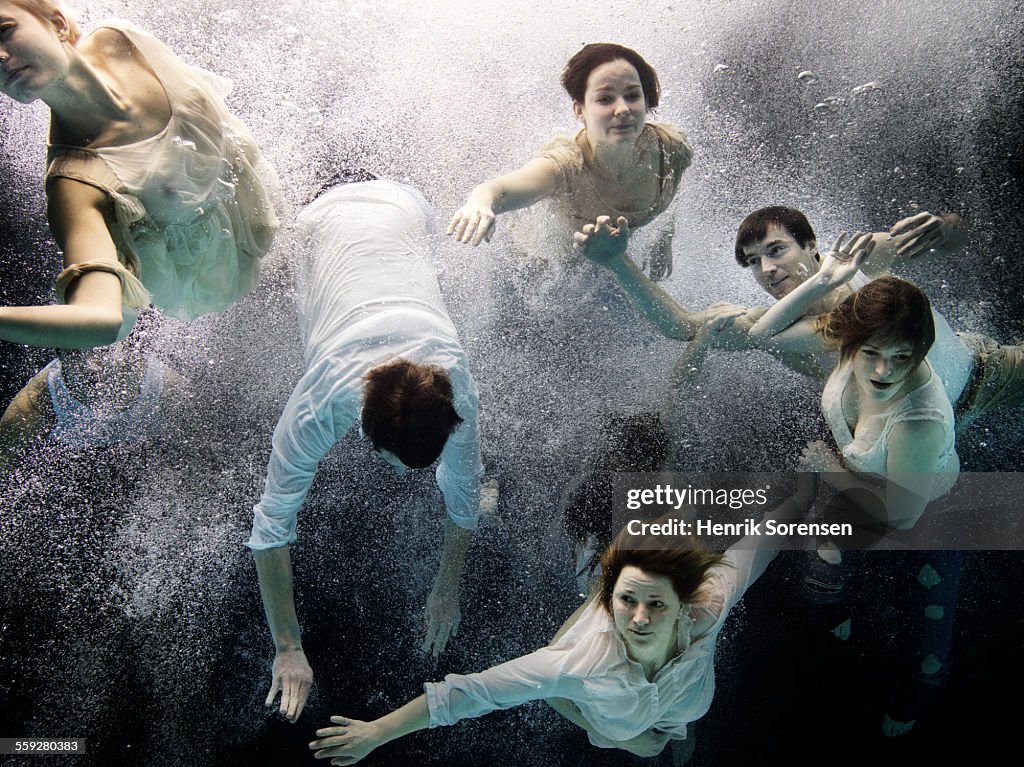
367, 294
590, 667
867, 451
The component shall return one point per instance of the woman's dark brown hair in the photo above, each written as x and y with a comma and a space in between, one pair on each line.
408, 410
886, 310
681, 559
591, 56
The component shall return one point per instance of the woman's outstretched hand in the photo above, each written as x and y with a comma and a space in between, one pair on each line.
473, 223
348, 741
603, 243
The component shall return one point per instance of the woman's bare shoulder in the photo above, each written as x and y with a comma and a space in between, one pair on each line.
109, 43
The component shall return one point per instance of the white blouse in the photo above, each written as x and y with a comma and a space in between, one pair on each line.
589, 666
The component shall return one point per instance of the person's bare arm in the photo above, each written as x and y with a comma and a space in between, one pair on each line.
78, 215
29, 416
606, 245
292, 675
443, 614
474, 222
923, 235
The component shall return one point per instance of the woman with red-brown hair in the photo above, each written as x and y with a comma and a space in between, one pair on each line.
888, 410
893, 424
633, 666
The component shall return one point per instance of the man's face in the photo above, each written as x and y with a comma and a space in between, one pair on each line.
778, 262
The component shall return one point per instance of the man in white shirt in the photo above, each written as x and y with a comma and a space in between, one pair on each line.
381, 349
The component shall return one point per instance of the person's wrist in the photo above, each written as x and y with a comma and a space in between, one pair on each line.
619, 265
444, 589
289, 647
482, 196
379, 732
820, 283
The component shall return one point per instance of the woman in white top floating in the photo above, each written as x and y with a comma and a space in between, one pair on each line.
633, 666
888, 411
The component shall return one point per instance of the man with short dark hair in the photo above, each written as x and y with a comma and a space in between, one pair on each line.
379, 348
778, 244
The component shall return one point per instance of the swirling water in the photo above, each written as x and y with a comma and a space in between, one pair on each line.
131, 615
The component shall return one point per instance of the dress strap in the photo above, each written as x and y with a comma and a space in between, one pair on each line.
133, 293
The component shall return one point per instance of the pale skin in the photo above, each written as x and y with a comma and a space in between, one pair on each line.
99, 94
292, 676
914, 447
645, 612
923, 235
612, 113
605, 244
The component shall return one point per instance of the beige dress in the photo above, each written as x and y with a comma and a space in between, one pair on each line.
195, 204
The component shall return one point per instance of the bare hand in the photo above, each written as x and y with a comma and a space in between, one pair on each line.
347, 742
719, 322
443, 618
603, 243
293, 678
818, 457
473, 223
646, 744
843, 261
918, 234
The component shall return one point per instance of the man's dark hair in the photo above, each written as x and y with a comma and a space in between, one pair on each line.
755, 227
408, 410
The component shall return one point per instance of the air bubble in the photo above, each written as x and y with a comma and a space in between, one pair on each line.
874, 85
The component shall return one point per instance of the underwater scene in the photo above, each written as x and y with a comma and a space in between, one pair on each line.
131, 611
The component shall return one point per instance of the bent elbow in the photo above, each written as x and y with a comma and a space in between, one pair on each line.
759, 335
110, 328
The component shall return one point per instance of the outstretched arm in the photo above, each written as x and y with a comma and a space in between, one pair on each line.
606, 245
687, 370
473, 223
78, 215
350, 740
292, 675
